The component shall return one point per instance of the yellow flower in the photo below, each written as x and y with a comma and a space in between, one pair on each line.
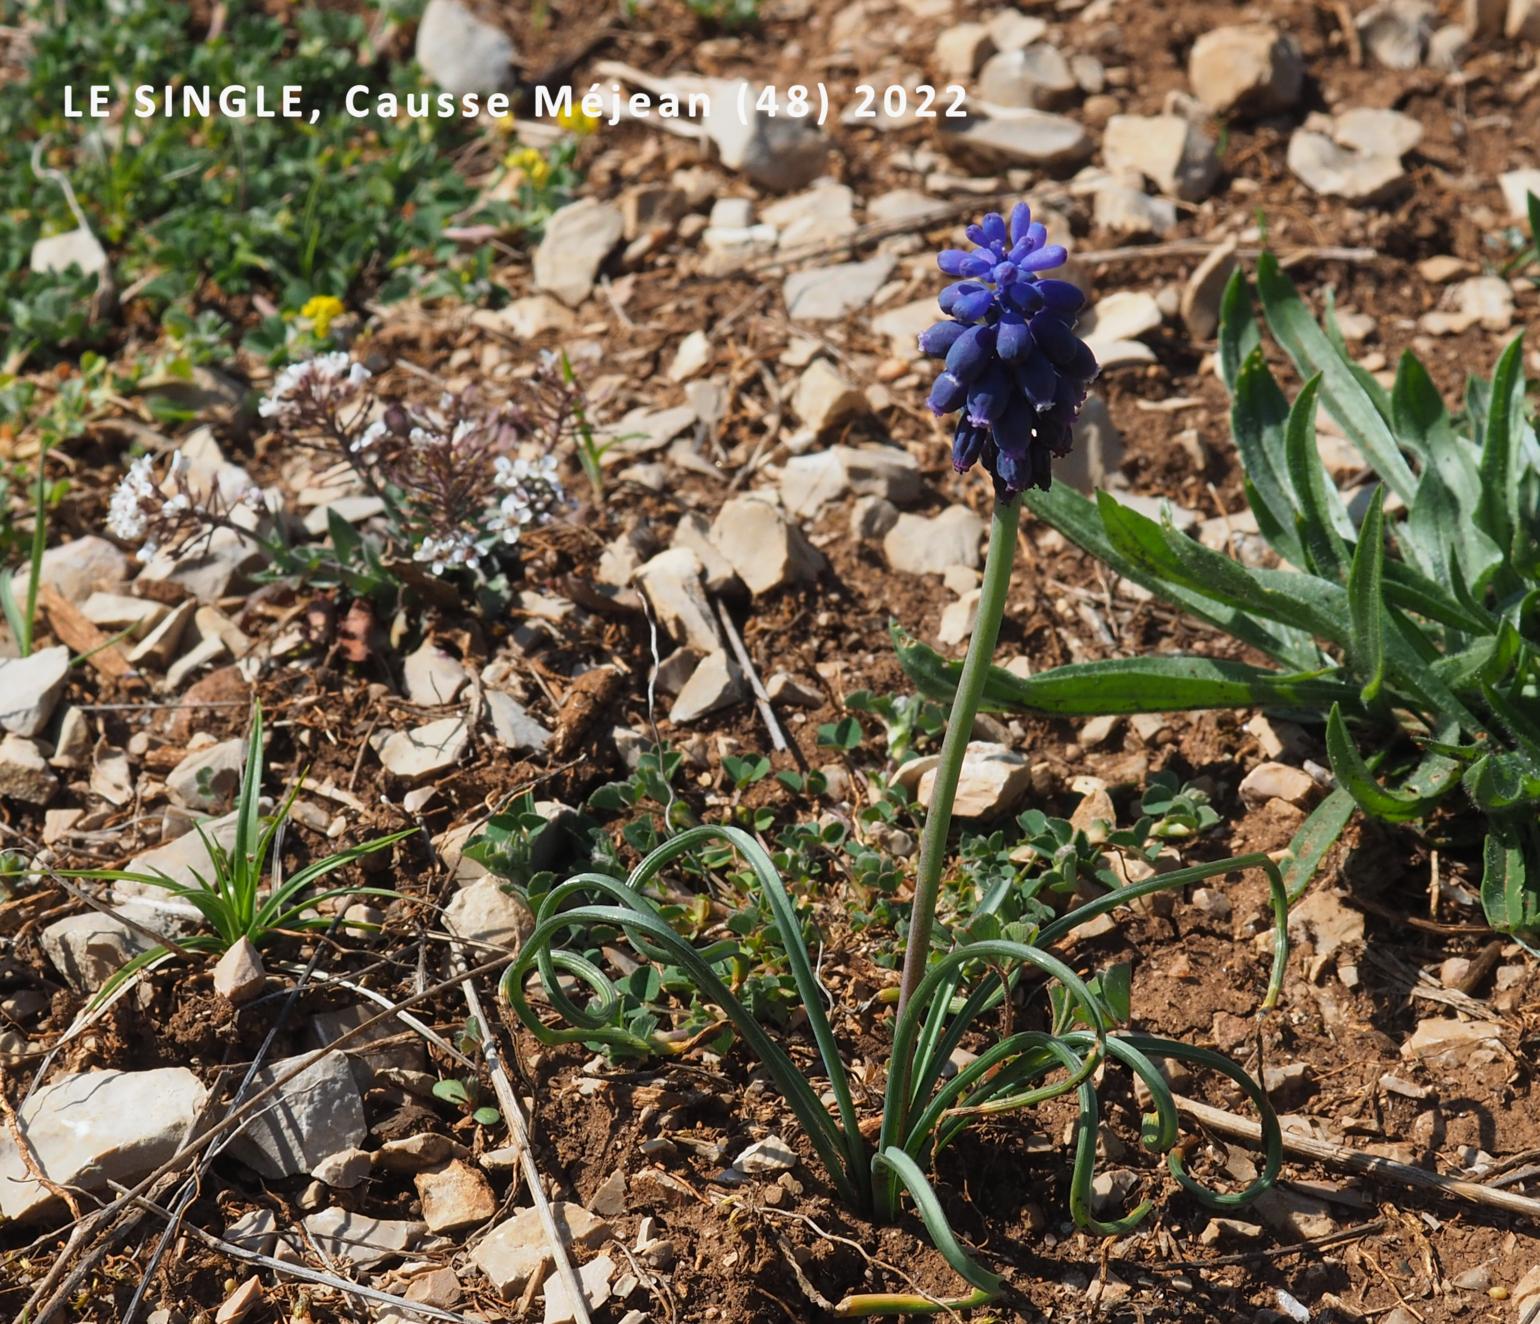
577, 120
505, 124
321, 310
528, 162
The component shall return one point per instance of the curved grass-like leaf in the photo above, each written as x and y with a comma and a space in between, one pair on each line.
1497, 510
841, 1147
1197, 873
987, 1286
1239, 336
1259, 418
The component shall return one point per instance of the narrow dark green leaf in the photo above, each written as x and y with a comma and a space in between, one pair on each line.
1259, 415
1154, 684
1497, 510
1078, 519
1500, 782
1508, 896
1344, 395
1317, 835
1321, 518
1239, 335
1429, 784
1365, 587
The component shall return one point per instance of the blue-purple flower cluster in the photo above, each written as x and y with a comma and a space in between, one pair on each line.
1014, 364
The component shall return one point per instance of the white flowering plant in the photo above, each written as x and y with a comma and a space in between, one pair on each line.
457, 484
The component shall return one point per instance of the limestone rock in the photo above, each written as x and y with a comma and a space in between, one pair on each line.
824, 399
776, 152
994, 781
577, 239
208, 778
364, 1241
460, 52
1517, 185
454, 1196
433, 677
595, 1278
765, 1157
1396, 32
809, 482
765, 549
1377, 132
1036, 76
239, 975
672, 582
512, 726
78, 569
715, 683
1204, 291
1249, 68
483, 912
1098, 450
86, 949
517, 1248
1442, 1041
1027, 138
1277, 781
93, 1128
314, 1115
1168, 150
1128, 213
1340, 172
424, 751
962, 49
920, 545
30, 687
24, 772
826, 294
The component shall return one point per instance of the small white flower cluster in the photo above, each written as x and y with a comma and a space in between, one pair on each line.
369, 438
322, 384
530, 492
133, 500
140, 511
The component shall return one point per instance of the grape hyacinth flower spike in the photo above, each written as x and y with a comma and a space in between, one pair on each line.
1018, 373
1014, 366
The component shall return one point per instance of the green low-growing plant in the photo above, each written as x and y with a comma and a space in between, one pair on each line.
234, 895
201, 213
998, 975
1412, 630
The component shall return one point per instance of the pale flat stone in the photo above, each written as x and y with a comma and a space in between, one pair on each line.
763, 547
715, 683
517, 1248
454, 1196
30, 689
1249, 68
363, 1241
824, 399
918, 545
1277, 781
93, 1128
433, 677
239, 975
577, 239
313, 1116
483, 912
1028, 137
208, 778
461, 52
672, 582
994, 781
24, 773
424, 751
87, 949
826, 294
1168, 150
